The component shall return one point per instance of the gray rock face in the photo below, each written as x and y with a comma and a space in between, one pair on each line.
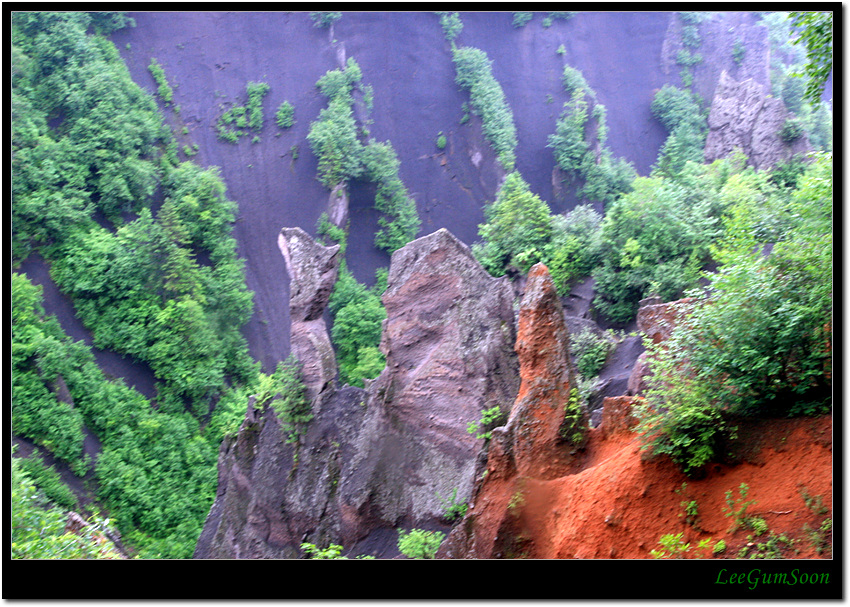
313, 270
394, 453
744, 117
448, 339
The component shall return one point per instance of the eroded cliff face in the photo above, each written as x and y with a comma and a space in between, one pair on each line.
392, 454
609, 500
744, 117
542, 437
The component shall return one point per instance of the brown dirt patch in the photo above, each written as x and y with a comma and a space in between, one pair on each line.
620, 504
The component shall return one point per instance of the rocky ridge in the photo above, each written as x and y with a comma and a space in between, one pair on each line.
383, 457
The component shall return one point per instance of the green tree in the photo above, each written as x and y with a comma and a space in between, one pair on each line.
759, 342
517, 231
815, 30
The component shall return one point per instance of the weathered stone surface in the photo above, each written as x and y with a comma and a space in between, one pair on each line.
743, 117
531, 444
656, 321
448, 339
392, 455
546, 372
617, 415
313, 270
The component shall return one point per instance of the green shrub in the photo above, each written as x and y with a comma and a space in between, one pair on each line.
441, 141
163, 88
38, 528
287, 395
49, 482
517, 229
473, 72
791, 131
419, 544
589, 352
522, 18
451, 24
490, 418
284, 115
759, 343
576, 246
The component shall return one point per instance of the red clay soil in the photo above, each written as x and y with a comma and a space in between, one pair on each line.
620, 503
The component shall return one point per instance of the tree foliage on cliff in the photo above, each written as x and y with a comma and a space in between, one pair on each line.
474, 73
578, 144
343, 157
517, 230
758, 341
816, 35
166, 288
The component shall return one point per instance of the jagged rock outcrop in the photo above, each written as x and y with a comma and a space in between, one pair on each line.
744, 117
537, 422
390, 455
448, 340
313, 270
543, 432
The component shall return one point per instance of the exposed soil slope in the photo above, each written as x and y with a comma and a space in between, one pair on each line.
619, 506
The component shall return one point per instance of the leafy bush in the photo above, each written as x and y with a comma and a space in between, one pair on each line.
38, 528
490, 418
473, 72
791, 131
287, 395
284, 115
738, 52
49, 482
680, 113
760, 341
163, 88
589, 352
576, 246
419, 544
451, 24
517, 229
655, 240
399, 222
577, 155
522, 18
333, 139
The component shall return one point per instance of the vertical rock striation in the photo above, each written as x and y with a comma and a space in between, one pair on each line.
313, 270
392, 454
543, 433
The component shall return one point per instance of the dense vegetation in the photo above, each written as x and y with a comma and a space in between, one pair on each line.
161, 286
580, 147
758, 342
240, 120
474, 73
357, 310
38, 525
